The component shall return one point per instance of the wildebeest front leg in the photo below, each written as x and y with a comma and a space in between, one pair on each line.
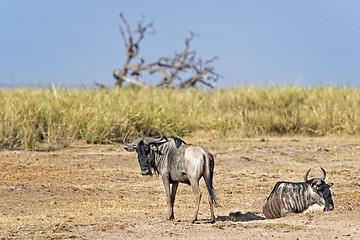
170, 212
195, 186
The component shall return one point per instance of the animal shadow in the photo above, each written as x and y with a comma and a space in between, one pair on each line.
239, 217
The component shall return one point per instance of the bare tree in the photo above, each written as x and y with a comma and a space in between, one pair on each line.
171, 68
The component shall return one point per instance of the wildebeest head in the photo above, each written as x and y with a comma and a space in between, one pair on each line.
321, 190
143, 148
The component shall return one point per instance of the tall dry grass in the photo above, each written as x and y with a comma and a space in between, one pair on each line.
34, 119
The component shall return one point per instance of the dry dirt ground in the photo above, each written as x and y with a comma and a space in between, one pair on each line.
97, 192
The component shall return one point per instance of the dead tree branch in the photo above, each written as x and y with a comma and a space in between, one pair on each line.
170, 67
132, 50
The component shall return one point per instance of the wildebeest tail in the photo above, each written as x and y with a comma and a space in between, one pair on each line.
209, 172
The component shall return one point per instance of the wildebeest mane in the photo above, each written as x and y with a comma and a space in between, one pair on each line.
178, 141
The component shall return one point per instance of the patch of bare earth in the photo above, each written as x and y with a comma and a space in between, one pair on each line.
97, 192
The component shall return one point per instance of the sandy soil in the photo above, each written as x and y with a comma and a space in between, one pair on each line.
97, 192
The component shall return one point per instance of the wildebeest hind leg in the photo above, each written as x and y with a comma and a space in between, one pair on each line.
172, 198
195, 186
212, 220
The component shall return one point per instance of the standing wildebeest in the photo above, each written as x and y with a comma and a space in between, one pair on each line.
176, 162
297, 197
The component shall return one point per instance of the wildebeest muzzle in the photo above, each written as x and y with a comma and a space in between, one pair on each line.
330, 207
145, 172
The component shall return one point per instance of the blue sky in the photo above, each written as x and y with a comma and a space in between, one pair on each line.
258, 42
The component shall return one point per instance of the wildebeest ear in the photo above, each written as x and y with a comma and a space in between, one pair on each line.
329, 185
153, 147
130, 149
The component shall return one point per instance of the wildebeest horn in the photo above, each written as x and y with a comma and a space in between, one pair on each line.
323, 178
149, 140
306, 175
133, 144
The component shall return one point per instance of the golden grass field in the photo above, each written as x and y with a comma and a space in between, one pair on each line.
51, 118
87, 191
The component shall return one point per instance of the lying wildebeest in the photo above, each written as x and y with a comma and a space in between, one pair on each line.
176, 162
298, 197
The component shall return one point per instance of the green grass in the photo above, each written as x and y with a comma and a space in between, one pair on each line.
38, 119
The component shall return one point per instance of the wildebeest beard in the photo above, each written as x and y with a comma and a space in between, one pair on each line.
147, 155
152, 156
